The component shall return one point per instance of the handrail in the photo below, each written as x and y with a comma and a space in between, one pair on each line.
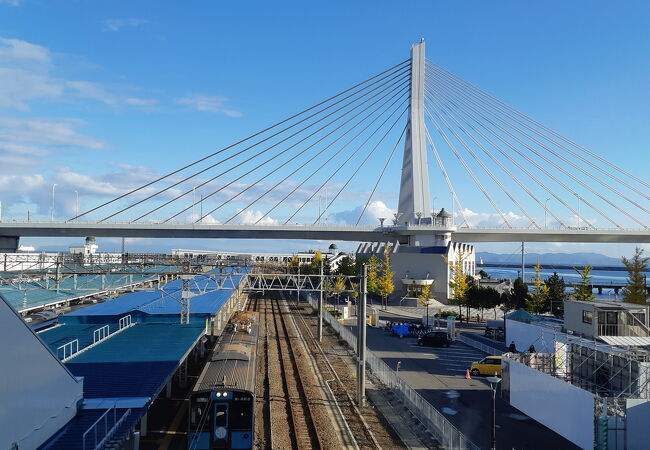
101, 333
480, 346
72, 345
125, 321
108, 433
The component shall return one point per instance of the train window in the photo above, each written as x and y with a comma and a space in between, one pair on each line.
196, 416
221, 415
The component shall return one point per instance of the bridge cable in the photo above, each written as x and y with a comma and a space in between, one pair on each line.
399, 66
292, 146
447, 179
313, 157
450, 114
570, 175
467, 168
483, 166
345, 162
381, 175
523, 155
523, 133
472, 92
322, 165
392, 86
538, 124
355, 172
399, 77
395, 93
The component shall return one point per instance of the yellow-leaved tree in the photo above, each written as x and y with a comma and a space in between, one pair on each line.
536, 301
458, 280
385, 285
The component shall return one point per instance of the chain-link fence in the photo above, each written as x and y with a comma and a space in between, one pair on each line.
445, 432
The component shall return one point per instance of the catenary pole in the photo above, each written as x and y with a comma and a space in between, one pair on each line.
361, 340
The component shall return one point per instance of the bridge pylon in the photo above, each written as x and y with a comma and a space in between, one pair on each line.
414, 200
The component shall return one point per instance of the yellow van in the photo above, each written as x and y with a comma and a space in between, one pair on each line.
488, 366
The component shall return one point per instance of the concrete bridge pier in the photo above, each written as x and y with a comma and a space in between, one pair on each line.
600, 290
9, 244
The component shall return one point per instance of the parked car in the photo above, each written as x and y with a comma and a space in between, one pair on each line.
435, 339
488, 366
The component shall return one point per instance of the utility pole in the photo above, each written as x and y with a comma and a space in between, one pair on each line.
523, 264
320, 304
361, 339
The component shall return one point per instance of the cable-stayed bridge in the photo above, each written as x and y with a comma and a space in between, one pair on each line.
283, 181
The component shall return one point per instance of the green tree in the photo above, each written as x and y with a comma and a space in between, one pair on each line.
484, 275
583, 291
457, 280
556, 294
536, 302
385, 285
517, 296
480, 297
346, 267
635, 290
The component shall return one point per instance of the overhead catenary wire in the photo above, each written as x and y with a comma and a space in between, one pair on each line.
284, 151
464, 110
452, 116
381, 175
308, 177
450, 185
323, 150
390, 87
355, 172
493, 99
397, 67
478, 183
571, 163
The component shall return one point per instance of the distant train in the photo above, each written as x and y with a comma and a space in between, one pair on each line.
222, 403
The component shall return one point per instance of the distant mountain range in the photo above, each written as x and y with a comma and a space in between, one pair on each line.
550, 259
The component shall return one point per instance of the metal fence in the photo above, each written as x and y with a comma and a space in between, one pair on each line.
480, 346
444, 431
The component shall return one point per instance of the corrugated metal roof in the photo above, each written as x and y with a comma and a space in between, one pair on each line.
62, 334
144, 342
633, 341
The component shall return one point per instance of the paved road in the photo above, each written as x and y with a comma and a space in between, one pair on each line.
438, 374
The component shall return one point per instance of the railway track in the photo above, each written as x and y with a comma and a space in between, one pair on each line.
301, 417
360, 432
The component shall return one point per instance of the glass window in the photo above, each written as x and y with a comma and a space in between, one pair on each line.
587, 317
221, 415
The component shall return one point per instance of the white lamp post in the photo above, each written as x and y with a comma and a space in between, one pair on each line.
494, 381
52, 209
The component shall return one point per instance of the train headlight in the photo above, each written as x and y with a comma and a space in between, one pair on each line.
225, 394
218, 394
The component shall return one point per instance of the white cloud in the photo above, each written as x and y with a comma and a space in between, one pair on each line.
92, 91
250, 217
49, 132
22, 50
144, 102
206, 220
18, 86
117, 24
375, 210
207, 103
11, 2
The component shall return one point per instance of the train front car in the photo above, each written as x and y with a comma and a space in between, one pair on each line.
222, 403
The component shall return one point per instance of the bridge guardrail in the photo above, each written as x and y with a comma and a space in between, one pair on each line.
447, 434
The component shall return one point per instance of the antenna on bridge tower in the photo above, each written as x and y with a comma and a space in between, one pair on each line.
414, 188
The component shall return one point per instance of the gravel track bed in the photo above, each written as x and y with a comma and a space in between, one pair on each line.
342, 360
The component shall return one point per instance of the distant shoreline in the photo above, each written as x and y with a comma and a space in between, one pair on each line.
552, 266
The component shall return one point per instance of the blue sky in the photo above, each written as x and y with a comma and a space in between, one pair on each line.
99, 96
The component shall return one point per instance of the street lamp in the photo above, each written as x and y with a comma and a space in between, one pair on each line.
52, 209
545, 210
381, 221
77, 204
578, 210
494, 381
